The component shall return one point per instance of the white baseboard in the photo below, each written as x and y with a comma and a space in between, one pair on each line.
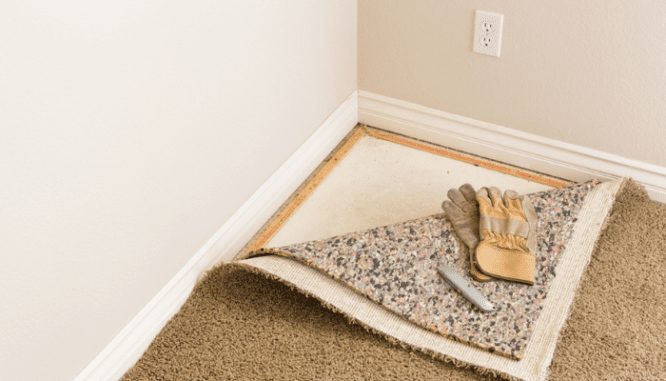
503, 144
128, 346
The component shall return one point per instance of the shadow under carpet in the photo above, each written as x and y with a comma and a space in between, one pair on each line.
238, 325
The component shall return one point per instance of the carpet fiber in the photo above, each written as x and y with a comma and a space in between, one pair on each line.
240, 325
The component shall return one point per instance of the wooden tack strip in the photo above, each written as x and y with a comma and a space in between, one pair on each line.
307, 191
467, 159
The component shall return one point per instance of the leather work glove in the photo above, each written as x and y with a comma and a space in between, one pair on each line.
463, 212
508, 226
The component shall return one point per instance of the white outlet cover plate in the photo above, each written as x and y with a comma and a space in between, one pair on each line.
487, 33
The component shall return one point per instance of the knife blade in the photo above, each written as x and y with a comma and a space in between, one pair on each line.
467, 290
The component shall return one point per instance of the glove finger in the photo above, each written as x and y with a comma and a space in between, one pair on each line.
511, 201
495, 197
514, 205
530, 214
453, 212
469, 193
528, 210
483, 194
458, 198
510, 194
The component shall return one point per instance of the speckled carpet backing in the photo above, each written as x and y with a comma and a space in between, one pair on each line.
238, 325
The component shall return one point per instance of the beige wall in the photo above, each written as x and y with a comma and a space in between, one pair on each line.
591, 73
130, 131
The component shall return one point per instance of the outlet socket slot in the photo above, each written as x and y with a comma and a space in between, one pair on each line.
487, 33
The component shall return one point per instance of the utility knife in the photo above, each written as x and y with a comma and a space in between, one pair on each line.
468, 291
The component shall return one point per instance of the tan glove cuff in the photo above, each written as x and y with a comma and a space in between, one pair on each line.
515, 265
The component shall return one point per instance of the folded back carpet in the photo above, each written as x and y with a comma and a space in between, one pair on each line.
238, 325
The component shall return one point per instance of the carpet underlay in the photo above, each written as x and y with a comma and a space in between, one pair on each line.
239, 324
395, 267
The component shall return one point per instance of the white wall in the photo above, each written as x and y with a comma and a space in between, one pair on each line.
130, 131
590, 73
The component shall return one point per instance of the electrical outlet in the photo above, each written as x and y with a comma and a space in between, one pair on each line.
487, 33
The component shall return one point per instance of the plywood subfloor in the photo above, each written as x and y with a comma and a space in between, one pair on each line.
375, 178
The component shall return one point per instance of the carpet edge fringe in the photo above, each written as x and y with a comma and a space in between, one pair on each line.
351, 320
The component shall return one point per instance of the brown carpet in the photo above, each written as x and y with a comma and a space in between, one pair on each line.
238, 325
